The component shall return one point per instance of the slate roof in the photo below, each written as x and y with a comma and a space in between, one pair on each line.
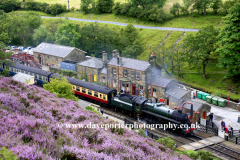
177, 92
93, 63
53, 49
21, 77
131, 63
196, 105
104, 70
160, 81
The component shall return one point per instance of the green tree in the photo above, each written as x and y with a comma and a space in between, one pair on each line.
132, 51
201, 47
185, 6
10, 5
145, 3
23, 25
175, 8
87, 6
4, 34
229, 41
68, 35
42, 35
95, 39
61, 87
104, 6
201, 6
216, 5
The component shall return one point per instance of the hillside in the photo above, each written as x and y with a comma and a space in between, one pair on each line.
30, 116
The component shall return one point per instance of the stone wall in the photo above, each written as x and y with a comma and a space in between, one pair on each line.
52, 60
76, 55
101, 78
129, 78
88, 70
160, 92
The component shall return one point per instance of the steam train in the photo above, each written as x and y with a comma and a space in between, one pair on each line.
138, 107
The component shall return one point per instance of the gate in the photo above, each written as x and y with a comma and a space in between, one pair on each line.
208, 127
234, 137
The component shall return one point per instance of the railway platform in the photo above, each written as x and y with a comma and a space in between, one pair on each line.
202, 143
202, 134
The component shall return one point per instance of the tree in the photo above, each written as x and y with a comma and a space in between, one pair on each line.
4, 34
132, 51
175, 8
68, 35
10, 5
228, 4
201, 6
200, 48
185, 6
216, 4
61, 87
229, 41
145, 3
104, 6
23, 26
95, 39
42, 35
87, 6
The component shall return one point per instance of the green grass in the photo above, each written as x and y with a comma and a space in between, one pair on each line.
214, 83
41, 13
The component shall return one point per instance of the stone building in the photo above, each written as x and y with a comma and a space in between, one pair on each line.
53, 54
91, 67
158, 86
202, 108
130, 75
176, 96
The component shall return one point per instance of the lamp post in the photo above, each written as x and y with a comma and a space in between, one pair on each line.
228, 100
68, 5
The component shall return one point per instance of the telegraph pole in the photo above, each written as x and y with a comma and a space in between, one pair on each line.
68, 5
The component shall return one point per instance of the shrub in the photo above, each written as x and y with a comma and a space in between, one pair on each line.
104, 6
6, 154
168, 142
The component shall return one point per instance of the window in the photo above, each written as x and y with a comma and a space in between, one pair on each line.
104, 97
150, 91
114, 71
127, 86
114, 83
56, 58
154, 92
78, 89
110, 83
74, 87
22, 71
95, 78
125, 73
96, 94
123, 86
141, 90
14, 69
103, 80
46, 79
83, 90
89, 92
137, 75
100, 95
40, 77
36, 76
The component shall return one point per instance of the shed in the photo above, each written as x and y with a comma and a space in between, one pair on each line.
177, 96
24, 78
203, 109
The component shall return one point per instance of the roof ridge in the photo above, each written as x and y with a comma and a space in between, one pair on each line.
56, 45
136, 59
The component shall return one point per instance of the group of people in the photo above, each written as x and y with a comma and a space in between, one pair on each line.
228, 129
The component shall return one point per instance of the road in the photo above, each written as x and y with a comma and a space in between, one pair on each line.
125, 24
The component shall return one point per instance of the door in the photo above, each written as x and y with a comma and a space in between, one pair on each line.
167, 100
133, 89
204, 115
40, 60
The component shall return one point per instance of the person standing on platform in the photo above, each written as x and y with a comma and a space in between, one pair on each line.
223, 124
211, 117
194, 95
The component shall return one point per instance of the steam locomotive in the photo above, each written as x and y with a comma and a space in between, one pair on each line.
138, 107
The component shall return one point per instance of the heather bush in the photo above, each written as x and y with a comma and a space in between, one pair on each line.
35, 125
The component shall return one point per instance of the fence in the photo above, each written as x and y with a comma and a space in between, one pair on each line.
233, 137
208, 127
149, 134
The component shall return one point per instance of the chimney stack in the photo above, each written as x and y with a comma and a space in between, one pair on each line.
104, 55
152, 59
120, 61
115, 53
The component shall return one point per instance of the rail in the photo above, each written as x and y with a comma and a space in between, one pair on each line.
233, 137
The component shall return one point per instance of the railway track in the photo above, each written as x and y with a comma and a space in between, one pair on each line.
218, 149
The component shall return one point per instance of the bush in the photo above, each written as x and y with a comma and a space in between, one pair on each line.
168, 142
6, 154
117, 8
10, 5
104, 6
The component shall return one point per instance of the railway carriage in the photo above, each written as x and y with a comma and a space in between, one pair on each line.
97, 93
